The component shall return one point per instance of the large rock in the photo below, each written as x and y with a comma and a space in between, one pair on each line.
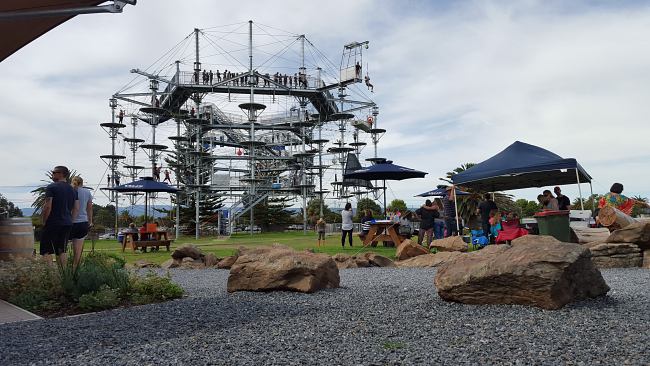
610, 249
170, 263
428, 260
618, 261
646, 259
344, 261
271, 269
191, 263
584, 235
377, 260
408, 249
615, 255
187, 251
535, 240
545, 274
450, 244
637, 233
210, 260
144, 263
227, 262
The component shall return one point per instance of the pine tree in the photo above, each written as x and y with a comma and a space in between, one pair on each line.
9, 208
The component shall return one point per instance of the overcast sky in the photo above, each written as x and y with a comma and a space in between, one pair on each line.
456, 82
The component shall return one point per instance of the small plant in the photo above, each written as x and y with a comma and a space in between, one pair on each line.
104, 298
392, 345
153, 288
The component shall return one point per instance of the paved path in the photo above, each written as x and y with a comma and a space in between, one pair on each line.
10, 313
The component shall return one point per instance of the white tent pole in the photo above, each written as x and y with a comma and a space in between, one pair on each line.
593, 206
453, 191
582, 206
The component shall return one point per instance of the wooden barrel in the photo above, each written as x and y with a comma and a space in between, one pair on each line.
16, 238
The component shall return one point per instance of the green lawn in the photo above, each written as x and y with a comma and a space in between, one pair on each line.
227, 246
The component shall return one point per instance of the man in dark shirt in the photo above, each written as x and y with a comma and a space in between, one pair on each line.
563, 202
484, 209
449, 209
61, 206
427, 214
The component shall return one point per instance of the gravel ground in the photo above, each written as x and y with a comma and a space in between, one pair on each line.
379, 316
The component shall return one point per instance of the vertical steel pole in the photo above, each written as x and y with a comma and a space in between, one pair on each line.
582, 206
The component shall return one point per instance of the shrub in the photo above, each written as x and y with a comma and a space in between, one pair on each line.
31, 284
99, 282
95, 271
104, 298
153, 288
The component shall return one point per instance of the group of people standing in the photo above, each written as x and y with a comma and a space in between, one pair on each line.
550, 202
434, 223
67, 214
207, 77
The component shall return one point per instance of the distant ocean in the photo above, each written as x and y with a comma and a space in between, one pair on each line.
136, 210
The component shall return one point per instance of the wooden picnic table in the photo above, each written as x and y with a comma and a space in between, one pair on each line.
382, 230
157, 238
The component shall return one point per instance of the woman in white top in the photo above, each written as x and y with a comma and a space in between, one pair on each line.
346, 224
83, 221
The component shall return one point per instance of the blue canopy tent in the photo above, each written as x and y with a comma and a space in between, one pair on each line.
385, 170
146, 185
522, 165
440, 192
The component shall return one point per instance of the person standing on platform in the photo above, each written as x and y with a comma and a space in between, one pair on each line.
346, 224
156, 173
320, 228
167, 177
449, 208
120, 117
210, 77
427, 215
563, 202
61, 205
82, 223
484, 209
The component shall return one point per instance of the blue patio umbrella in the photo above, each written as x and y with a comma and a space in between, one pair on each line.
441, 192
146, 185
385, 170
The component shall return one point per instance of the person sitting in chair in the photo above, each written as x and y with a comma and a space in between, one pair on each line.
365, 223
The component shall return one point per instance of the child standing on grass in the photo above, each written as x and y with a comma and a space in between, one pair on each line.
320, 227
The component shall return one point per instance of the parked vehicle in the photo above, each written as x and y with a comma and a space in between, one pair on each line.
295, 227
108, 236
255, 228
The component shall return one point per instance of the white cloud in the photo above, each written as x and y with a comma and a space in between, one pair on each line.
455, 82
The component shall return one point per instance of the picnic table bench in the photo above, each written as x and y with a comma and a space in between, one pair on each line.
382, 230
155, 239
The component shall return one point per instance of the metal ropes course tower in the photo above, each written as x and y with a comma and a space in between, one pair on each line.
248, 131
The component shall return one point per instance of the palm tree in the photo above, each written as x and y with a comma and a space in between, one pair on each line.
39, 192
640, 205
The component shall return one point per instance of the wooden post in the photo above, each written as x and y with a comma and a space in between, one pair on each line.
614, 218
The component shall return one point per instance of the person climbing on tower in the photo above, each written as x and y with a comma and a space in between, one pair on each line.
167, 178
370, 86
156, 173
121, 115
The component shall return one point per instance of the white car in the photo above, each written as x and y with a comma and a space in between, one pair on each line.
255, 228
109, 236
